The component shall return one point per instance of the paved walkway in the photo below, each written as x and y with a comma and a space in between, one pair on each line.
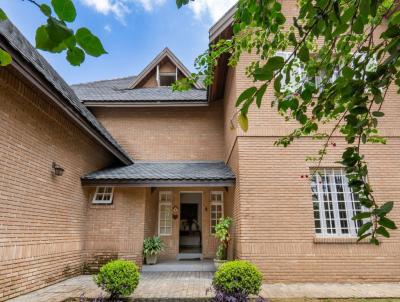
164, 286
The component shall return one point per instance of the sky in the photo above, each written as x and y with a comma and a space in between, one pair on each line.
133, 32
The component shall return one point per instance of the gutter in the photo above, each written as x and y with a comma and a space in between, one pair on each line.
145, 104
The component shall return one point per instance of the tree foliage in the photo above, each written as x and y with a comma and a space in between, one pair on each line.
336, 70
56, 36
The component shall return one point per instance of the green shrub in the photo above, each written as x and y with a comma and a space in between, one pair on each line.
236, 277
222, 234
118, 278
152, 245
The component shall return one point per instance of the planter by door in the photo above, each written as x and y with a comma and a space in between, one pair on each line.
151, 259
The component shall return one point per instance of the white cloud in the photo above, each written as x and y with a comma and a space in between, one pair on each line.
107, 28
213, 8
120, 8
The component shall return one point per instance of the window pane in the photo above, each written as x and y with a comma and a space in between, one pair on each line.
333, 203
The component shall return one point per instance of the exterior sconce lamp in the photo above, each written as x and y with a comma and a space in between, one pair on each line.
175, 212
57, 169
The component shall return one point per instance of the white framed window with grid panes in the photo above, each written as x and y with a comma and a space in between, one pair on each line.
334, 204
103, 195
216, 209
165, 213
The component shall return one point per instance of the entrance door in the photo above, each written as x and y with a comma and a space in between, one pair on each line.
190, 245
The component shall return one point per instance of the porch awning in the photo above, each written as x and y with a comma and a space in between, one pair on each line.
199, 173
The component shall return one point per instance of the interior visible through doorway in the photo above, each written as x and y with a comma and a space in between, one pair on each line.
190, 223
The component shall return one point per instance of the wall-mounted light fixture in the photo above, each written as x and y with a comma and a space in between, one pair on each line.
57, 169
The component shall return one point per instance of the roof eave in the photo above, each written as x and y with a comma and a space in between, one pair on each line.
159, 182
222, 24
145, 104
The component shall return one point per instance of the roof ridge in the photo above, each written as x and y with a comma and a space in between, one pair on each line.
105, 80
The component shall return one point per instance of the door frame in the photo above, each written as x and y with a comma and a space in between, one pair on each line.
200, 212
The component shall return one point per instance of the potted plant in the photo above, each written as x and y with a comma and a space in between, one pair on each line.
222, 234
152, 246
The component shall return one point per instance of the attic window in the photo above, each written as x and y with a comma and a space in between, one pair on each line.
167, 79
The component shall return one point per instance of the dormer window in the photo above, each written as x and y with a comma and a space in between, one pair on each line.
166, 78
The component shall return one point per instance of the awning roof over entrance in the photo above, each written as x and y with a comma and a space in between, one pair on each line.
199, 173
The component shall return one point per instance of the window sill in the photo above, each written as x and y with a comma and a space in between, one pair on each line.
338, 240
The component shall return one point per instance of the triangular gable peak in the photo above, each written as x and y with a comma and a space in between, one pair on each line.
164, 70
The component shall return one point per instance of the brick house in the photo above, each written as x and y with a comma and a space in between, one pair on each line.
140, 160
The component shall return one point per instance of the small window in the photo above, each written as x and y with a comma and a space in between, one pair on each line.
216, 209
334, 204
167, 79
165, 214
103, 195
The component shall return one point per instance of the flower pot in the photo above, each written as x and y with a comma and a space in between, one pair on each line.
218, 263
151, 259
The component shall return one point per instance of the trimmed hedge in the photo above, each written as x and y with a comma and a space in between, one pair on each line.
118, 278
239, 276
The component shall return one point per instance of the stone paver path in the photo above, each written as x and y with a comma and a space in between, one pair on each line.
162, 286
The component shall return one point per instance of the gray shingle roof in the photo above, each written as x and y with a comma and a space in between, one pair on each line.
170, 172
117, 90
32, 56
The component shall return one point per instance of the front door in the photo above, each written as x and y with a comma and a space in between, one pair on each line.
190, 244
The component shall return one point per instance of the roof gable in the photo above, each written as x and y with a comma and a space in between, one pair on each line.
166, 58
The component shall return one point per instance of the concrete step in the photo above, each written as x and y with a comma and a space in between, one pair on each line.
181, 266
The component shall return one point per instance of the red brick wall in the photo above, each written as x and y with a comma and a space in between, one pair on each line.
116, 230
274, 225
173, 133
42, 216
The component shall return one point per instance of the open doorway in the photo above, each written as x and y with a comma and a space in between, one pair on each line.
190, 241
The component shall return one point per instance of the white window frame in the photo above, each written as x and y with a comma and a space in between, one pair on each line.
328, 204
160, 74
164, 203
216, 203
97, 194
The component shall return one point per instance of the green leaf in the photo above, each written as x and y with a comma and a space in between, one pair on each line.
365, 227
374, 241
387, 223
243, 122
364, 7
3, 15
275, 63
363, 236
358, 26
180, 3
44, 42
89, 42
292, 39
248, 93
378, 113
361, 215
387, 207
75, 56
260, 93
57, 30
395, 18
304, 54
5, 58
64, 9
278, 83
382, 231
46, 10
347, 72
